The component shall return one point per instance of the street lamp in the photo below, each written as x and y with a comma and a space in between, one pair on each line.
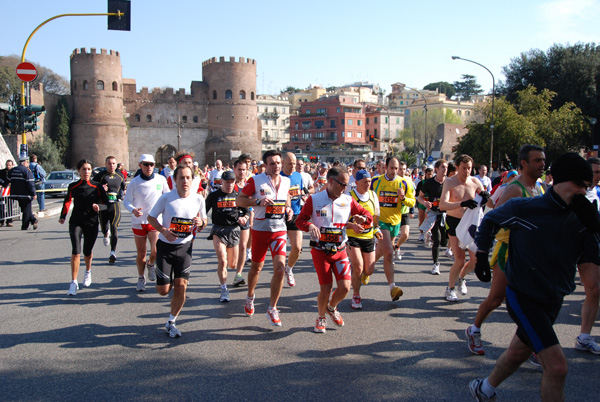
424, 107
179, 127
493, 96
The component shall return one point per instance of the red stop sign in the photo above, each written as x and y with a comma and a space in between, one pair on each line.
26, 72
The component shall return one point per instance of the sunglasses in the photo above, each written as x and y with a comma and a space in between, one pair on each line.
340, 183
148, 164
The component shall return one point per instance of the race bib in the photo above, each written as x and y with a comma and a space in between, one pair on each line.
182, 227
112, 197
295, 192
276, 210
330, 236
226, 202
388, 199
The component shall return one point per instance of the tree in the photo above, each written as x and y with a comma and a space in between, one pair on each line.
572, 71
443, 86
467, 87
48, 154
9, 83
529, 120
61, 129
290, 90
420, 133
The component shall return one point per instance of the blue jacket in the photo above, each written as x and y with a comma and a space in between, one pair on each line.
546, 242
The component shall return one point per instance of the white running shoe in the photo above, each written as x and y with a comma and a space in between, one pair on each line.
73, 288
451, 295
436, 269
87, 279
356, 302
449, 253
141, 284
462, 286
224, 295
428, 240
587, 344
290, 278
106, 241
398, 254
151, 272
172, 330
249, 256
421, 237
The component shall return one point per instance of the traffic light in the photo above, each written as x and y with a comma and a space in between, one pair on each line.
122, 23
28, 117
372, 138
10, 122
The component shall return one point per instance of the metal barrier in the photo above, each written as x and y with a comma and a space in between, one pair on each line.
9, 209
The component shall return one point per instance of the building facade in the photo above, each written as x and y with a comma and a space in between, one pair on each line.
274, 116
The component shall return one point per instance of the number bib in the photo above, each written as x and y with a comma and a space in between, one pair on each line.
388, 199
330, 238
295, 192
112, 197
276, 210
182, 227
226, 203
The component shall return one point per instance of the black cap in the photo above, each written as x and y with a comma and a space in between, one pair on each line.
571, 166
228, 175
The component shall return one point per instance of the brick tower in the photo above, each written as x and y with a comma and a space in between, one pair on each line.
98, 127
232, 114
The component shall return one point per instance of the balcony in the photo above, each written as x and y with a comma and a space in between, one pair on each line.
270, 115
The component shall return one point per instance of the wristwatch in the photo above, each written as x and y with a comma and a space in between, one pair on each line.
258, 202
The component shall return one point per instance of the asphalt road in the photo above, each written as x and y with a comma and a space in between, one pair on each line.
108, 342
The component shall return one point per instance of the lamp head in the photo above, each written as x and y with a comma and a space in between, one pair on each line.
455, 57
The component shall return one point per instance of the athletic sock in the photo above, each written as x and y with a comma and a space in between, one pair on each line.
332, 309
475, 328
74, 281
224, 286
487, 389
392, 285
583, 336
172, 318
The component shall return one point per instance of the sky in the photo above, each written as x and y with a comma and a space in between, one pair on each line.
326, 43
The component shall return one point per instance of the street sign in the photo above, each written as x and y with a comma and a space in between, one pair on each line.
430, 159
26, 72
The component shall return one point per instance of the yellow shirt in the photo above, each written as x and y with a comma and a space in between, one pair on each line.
390, 206
369, 205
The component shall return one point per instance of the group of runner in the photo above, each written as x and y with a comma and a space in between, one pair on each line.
353, 220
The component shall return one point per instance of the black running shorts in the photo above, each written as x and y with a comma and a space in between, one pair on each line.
172, 261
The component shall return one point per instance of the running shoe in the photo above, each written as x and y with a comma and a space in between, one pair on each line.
224, 296
106, 240
436, 269
364, 278
35, 225
87, 279
289, 275
428, 241
172, 330
141, 284
321, 325
249, 256
151, 272
474, 341
421, 237
533, 359
112, 259
587, 344
396, 292
273, 315
398, 254
249, 306
451, 295
73, 288
356, 302
336, 317
475, 387
462, 286
448, 253
238, 280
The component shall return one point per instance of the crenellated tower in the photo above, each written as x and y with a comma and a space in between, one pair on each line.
98, 127
232, 114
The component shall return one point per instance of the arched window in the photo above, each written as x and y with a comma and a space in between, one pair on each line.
228, 94
242, 94
85, 85
195, 119
100, 85
184, 119
115, 86
148, 118
214, 94
252, 95
137, 117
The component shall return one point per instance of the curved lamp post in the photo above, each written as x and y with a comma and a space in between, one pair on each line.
493, 97
424, 107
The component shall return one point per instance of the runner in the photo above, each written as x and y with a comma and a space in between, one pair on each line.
428, 174
307, 180
320, 177
295, 235
359, 164
214, 177
182, 211
407, 207
268, 194
457, 195
88, 197
170, 168
114, 185
435, 223
531, 162
362, 243
241, 177
142, 193
548, 235
325, 216
227, 218
395, 195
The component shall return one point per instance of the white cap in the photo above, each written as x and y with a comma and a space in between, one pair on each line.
195, 163
147, 158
